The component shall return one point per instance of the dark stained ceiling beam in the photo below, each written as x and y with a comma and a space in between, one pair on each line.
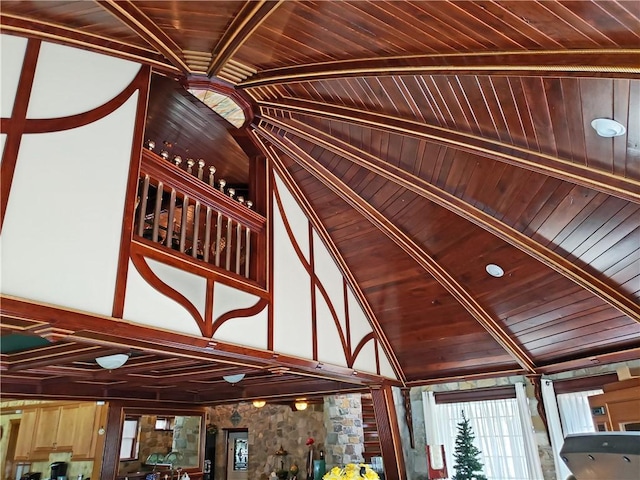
53, 355
82, 39
441, 197
130, 15
621, 187
250, 17
615, 63
403, 241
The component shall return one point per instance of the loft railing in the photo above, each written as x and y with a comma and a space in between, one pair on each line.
181, 212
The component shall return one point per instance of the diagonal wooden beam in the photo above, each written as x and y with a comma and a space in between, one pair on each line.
616, 63
129, 14
625, 188
461, 208
326, 238
403, 241
251, 15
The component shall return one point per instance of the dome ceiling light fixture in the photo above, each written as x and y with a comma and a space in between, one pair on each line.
494, 270
259, 403
233, 379
111, 362
608, 128
301, 404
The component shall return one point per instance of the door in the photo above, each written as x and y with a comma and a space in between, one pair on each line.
237, 455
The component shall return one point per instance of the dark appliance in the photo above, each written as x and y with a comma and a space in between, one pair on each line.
58, 469
31, 476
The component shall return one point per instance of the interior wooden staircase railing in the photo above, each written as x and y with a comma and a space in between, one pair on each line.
370, 427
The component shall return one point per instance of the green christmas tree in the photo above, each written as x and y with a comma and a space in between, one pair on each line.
467, 465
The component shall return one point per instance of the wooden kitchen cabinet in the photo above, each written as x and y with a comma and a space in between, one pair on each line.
26, 431
44, 439
85, 432
59, 428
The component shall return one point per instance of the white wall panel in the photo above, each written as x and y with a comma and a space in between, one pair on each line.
226, 298
291, 296
64, 215
330, 276
86, 81
295, 217
386, 370
11, 57
247, 331
145, 305
191, 286
358, 321
329, 346
366, 359
3, 139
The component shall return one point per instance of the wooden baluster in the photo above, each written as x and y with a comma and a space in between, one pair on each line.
227, 264
218, 237
143, 205
156, 212
212, 172
200, 168
196, 230
247, 251
183, 223
238, 247
207, 235
170, 220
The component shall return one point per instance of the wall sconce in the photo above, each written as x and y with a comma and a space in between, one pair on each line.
233, 379
111, 362
301, 405
259, 403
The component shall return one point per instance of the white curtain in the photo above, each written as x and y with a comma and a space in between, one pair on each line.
433, 439
498, 434
531, 446
555, 428
566, 414
575, 412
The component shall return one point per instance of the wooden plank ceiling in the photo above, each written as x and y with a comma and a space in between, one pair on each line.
428, 140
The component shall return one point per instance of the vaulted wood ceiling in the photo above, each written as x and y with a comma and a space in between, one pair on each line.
428, 139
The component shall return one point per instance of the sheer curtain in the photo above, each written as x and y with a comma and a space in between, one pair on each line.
499, 435
575, 412
567, 413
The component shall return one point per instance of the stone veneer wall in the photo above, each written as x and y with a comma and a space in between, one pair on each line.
415, 459
269, 428
345, 434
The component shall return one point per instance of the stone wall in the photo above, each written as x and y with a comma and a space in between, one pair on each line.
345, 434
269, 428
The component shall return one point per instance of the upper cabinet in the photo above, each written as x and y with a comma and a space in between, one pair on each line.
59, 428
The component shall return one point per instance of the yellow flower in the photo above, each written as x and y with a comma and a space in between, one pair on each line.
351, 471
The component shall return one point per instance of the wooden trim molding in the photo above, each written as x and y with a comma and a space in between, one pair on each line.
389, 432
476, 394
580, 384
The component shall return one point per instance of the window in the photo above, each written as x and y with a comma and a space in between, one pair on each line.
129, 444
163, 423
498, 433
575, 413
501, 426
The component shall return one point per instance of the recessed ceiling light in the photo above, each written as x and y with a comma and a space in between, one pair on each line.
494, 270
606, 127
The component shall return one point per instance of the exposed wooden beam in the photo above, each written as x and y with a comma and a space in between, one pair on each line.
625, 188
403, 241
79, 38
129, 14
616, 63
441, 197
251, 15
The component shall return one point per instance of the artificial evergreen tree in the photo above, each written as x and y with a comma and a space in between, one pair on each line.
467, 465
